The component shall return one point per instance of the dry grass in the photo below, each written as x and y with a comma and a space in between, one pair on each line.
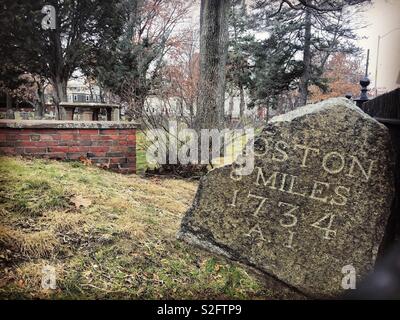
119, 244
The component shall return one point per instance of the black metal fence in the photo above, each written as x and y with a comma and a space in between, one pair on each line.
384, 283
386, 109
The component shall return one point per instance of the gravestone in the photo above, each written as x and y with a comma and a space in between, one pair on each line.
315, 206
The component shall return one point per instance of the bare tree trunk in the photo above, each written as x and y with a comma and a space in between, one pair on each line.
230, 112
60, 88
136, 108
306, 76
9, 107
213, 56
242, 104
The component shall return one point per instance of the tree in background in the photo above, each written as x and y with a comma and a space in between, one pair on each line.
342, 74
239, 54
53, 54
130, 63
316, 29
181, 77
213, 56
24, 88
318, 5
276, 69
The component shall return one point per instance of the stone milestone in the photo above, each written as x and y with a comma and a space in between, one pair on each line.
317, 202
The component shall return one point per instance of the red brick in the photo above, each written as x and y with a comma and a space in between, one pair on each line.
118, 144
83, 142
131, 159
55, 155
44, 131
128, 165
78, 149
109, 132
96, 154
104, 138
122, 137
59, 149
100, 160
11, 137
36, 143
118, 148
127, 131
67, 143
88, 131
102, 143
99, 149
131, 138
75, 155
67, 136
113, 154
27, 131
49, 137
95, 137
113, 138
118, 160
35, 150
24, 137
6, 144
7, 150
20, 150
68, 131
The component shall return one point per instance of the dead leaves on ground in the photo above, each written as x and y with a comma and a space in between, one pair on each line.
85, 161
80, 201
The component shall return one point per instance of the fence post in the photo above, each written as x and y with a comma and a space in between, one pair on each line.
364, 82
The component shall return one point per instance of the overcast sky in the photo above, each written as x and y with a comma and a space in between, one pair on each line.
383, 16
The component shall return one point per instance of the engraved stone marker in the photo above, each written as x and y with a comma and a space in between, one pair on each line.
318, 199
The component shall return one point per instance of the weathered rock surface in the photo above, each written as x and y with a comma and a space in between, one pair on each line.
318, 199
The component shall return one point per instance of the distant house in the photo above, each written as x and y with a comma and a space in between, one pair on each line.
78, 91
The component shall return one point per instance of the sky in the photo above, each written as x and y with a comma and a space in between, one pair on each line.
383, 17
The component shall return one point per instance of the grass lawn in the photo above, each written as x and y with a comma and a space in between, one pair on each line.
141, 162
108, 236
233, 150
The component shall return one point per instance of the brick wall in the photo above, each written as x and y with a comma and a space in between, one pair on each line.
108, 145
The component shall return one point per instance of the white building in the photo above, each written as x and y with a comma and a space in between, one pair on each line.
79, 91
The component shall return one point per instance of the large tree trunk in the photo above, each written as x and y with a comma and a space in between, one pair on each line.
213, 56
60, 90
60, 75
306, 76
40, 107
